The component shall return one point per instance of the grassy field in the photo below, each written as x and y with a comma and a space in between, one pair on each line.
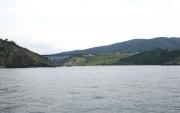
105, 59
100, 59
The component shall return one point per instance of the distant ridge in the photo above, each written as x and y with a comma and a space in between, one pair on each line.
135, 45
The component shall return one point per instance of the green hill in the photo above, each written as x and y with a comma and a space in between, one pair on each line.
153, 57
130, 46
14, 56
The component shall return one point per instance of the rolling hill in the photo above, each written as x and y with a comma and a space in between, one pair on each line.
131, 46
135, 45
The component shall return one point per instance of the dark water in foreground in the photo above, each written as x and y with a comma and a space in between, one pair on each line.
120, 89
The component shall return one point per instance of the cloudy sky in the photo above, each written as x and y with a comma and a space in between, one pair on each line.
50, 26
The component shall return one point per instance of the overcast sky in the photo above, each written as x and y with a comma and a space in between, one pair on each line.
50, 26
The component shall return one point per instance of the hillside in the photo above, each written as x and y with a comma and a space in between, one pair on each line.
91, 60
135, 45
14, 56
153, 57
131, 46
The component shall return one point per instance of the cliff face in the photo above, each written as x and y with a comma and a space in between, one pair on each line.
14, 56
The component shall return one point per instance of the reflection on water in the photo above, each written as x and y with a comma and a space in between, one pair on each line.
106, 89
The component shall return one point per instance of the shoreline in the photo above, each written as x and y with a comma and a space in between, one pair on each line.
4, 67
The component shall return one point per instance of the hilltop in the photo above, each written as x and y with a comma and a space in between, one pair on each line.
135, 45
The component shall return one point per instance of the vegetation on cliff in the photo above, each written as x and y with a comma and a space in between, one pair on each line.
14, 56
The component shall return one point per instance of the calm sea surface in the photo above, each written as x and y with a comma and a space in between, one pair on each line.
96, 89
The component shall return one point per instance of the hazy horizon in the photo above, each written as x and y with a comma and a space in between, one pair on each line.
53, 26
